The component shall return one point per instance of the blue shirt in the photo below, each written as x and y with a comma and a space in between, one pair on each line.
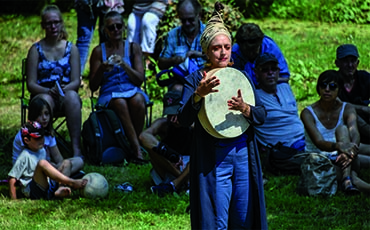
177, 44
268, 46
282, 122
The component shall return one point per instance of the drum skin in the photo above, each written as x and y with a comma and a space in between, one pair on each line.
214, 115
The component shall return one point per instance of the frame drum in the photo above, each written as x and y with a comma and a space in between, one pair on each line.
214, 115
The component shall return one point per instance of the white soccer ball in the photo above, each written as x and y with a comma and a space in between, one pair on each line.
96, 187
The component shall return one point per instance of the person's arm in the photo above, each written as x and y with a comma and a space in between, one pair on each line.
148, 138
12, 188
196, 88
74, 61
31, 71
97, 68
361, 109
136, 72
55, 155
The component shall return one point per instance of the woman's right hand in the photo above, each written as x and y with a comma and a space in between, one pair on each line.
206, 86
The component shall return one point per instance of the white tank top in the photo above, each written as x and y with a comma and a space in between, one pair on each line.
327, 134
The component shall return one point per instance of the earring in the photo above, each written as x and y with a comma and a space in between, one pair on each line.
231, 63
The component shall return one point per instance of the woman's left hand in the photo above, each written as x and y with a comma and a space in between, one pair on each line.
237, 103
343, 160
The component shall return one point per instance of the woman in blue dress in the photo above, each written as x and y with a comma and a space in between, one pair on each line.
225, 176
53, 72
116, 67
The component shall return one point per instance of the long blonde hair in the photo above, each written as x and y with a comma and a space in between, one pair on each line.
49, 8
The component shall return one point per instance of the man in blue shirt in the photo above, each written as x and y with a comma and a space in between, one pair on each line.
182, 49
251, 43
282, 123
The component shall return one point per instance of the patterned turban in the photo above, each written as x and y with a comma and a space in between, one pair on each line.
214, 27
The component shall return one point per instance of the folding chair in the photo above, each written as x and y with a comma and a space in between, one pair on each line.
61, 141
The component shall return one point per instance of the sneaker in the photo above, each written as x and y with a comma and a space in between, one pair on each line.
162, 189
125, 187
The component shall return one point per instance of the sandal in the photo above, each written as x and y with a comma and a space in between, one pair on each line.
124, 187
348, 187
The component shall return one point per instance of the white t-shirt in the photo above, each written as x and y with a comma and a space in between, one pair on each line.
24, 167
18, 146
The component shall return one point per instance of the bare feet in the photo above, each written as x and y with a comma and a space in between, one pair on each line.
77, 184
62, 192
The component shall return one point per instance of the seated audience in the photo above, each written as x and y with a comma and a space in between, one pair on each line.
38, 178
88, 13
252, 42
116, 67
168, 145
282, 123
39, 110
53, 72
331, 129
182, 49
356, 88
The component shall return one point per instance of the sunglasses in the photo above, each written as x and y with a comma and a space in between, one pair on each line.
332, 86
268, 69
113, 27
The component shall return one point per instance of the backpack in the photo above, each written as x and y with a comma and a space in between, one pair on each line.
103, 138
318, 176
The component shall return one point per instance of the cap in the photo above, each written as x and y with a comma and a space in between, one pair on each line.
171, 102
347, 50
32, 129
264, 58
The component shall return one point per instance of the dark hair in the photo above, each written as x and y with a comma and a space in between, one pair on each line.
329, 76
112, 14
47, 9
249, 33
197, 6
35, 107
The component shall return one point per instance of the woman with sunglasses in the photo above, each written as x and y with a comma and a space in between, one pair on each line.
53, 72
331, 129
116, 67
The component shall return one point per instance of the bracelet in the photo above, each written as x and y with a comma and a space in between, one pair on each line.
245, 110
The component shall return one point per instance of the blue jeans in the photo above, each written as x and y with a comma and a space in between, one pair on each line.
233, 195
85, 32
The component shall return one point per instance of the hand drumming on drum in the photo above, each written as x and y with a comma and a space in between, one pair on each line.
206, 86
237, 103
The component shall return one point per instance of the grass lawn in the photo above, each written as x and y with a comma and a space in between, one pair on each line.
309, 48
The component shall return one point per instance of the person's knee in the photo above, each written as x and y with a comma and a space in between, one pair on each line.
138, 101
118, 105
66, 163
43, 164
342, 133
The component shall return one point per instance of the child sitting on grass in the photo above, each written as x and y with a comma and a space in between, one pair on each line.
40, 111
38, 178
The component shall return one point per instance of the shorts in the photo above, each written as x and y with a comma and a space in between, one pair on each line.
37, 192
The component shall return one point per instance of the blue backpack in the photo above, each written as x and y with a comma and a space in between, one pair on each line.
103, 139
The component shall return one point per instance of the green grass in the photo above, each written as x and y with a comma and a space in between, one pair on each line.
309, 48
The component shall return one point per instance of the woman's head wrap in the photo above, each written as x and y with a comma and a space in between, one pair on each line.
214, 27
